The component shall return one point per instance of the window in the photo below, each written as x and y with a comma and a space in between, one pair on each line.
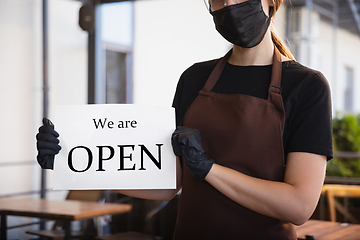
349, 90
117, 31
115, 77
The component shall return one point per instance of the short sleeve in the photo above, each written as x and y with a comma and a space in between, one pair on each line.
190, 83
177, 101
310, 127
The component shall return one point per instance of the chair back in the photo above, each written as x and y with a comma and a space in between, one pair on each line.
340, 191
84, 195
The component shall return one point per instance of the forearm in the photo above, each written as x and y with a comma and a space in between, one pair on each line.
273, 199
281, 200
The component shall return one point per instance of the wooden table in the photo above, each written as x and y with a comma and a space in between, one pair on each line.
328, 230
68, 210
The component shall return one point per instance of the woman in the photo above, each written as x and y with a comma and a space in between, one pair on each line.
253, 138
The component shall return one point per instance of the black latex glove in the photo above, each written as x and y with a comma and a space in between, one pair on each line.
47, 144
186, 143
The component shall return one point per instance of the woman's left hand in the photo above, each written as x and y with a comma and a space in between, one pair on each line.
187, 144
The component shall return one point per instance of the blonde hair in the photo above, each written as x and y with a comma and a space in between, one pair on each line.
279, 44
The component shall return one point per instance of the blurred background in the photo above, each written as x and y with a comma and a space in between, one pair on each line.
60, 52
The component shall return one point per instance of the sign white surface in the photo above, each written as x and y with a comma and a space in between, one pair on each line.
115, 146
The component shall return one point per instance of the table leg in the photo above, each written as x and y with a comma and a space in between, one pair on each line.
3, 235
322, 207
67, 226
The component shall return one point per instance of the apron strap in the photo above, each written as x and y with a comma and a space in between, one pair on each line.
275, 84
275, 88
216, 72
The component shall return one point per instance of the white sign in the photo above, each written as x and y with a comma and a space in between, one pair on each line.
115, 146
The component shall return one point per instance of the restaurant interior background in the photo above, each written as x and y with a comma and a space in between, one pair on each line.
136, 55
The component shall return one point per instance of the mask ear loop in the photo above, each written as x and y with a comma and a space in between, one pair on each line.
272, 25
271, 12
207, 5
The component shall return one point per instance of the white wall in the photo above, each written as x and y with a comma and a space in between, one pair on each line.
18, 76
117, 23
21, 80
21, 86
170, 35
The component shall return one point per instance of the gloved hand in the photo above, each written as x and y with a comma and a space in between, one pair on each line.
186, 143
47, 144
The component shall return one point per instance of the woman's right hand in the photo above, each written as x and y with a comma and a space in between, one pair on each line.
47, 144
186, 143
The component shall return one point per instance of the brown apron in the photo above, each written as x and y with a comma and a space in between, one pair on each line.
243, 133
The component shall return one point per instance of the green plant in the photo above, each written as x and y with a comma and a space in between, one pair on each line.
346, 137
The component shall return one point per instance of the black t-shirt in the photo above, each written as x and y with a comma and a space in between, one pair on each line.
305, 92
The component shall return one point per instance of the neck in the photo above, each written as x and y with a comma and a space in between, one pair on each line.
261, 54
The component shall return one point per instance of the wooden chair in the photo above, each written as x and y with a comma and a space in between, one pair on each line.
57, 231
137, 235
340, 191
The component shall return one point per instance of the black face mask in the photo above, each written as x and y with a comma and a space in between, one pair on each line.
243, 24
